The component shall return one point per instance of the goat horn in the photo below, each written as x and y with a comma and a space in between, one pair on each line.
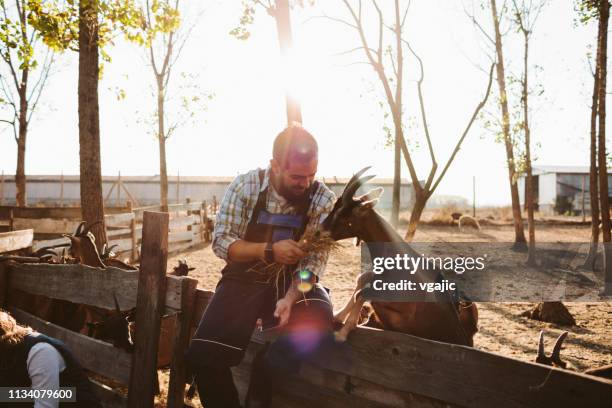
77, 232
356, 177
541, 345
90, 226
350, 191
556, 353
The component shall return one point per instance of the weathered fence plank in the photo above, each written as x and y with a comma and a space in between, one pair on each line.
150, 305
178, 369
46, 225
459, 375
16, 240
86, 284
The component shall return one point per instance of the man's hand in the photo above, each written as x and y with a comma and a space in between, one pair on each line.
284, 305
287, 252
283, 310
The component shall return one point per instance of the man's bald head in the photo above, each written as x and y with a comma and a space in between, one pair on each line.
294, 163
294, 145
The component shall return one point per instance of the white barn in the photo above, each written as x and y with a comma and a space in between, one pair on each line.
560, 189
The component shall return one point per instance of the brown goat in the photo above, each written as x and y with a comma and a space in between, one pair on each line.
443, 320
83, 246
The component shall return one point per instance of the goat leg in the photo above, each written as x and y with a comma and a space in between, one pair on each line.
341, 316
353, 318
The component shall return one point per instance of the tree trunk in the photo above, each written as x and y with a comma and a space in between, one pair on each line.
519, 233
161, 135
285, 39
593, 177
397, 179
420, 200
20, 178
604, 11
531, 257
92, 201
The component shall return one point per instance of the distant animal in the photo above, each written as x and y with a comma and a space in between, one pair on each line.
455, 217
443, 320
555, 358
467, 220
182, 269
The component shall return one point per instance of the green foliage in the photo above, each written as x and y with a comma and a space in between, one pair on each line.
57, 21
14, 39
587, 10
249, 7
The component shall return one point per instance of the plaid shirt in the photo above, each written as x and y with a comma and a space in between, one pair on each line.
237, 207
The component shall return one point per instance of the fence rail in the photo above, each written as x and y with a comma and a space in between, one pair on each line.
190, 225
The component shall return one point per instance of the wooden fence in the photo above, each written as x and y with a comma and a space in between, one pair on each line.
189, 225
150, 291
373, 369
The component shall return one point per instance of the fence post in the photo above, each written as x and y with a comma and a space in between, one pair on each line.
150, 302
11, 220
178, 369
203, 221
134, 252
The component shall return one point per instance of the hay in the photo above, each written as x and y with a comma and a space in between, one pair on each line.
312, 242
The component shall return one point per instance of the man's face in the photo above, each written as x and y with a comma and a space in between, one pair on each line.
294, 180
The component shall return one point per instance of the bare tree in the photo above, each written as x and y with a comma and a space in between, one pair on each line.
388, 62
589, 9
22, 89
164, 36
602, 63
526, 15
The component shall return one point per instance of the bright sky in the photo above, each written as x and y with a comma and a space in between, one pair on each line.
340, 100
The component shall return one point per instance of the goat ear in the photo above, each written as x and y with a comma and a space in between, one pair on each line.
191, 269
371, 195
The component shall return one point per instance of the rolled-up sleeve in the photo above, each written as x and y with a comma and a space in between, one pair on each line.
315, 262
232, 217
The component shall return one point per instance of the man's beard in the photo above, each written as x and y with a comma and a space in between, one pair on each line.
293, 197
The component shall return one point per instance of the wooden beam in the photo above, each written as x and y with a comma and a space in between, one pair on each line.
46, 225
16, 240
178, 369
457, 374
87, 285
94, 355
149, 307
119, 219
77, 283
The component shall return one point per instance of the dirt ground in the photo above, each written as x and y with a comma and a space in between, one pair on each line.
501, 328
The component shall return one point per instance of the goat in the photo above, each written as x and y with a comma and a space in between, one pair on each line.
114, 327
182, 269
468, 220
555, 358
83, 246
109, 258
443, 320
